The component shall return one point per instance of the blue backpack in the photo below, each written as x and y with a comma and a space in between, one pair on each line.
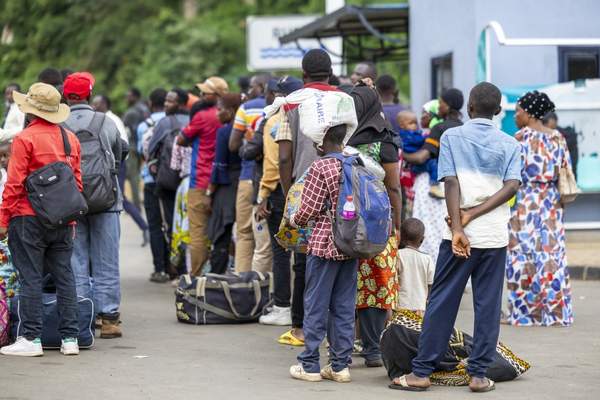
367, 234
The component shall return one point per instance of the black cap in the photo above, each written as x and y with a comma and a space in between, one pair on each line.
316, 63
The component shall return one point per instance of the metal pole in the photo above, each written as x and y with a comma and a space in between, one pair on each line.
488, 56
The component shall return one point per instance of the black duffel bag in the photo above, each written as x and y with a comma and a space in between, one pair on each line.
223, 299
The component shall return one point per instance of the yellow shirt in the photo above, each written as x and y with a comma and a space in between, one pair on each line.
270, 178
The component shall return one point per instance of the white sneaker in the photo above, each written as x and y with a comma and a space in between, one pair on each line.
69, 347
24, 348
341, 377
298, 372
279, 316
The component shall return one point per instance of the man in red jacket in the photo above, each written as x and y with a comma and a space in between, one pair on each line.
33, 246
202, 134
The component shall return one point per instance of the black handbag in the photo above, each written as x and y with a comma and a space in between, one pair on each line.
53, 192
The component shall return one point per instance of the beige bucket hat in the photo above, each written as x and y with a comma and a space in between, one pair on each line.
43, 100
214, 85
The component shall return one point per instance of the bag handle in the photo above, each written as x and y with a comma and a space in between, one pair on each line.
257, 298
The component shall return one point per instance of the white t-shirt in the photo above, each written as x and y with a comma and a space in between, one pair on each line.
120, 126
482, 158
416, 274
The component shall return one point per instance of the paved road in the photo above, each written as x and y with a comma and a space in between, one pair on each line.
244, 362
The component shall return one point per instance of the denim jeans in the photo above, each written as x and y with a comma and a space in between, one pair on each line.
329, 304
95, 261
32, 247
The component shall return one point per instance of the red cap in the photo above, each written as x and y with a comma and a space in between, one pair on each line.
79, 85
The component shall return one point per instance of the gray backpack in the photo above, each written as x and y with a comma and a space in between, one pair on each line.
98, 166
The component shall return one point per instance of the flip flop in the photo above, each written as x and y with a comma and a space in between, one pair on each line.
491, 386
290, 340
405, 386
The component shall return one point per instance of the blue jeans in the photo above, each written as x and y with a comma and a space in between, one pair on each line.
486, 269
32, 247
329, 304
95, 261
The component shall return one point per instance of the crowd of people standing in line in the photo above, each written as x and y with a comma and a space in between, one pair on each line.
216, 173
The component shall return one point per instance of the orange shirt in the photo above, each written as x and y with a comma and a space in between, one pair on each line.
37, 145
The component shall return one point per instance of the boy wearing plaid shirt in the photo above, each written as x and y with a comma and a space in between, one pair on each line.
330, 291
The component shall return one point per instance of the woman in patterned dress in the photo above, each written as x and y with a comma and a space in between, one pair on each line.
539, 292
377, 280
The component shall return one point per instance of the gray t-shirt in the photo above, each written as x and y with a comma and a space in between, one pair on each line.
304, 152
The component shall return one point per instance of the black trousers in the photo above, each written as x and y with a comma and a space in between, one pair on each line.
32, 247
281, 258
371, 324
298, 294
486, 269
158, 243
219, 255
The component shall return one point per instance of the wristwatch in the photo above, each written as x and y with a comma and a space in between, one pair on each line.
259, 200
208, 193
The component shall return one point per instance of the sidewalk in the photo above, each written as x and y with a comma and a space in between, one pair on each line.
159, 358
583, 254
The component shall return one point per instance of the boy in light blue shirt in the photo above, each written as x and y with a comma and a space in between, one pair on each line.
481, 168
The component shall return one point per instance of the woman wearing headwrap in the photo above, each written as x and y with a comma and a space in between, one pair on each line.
432, 210
539, 292
377, 282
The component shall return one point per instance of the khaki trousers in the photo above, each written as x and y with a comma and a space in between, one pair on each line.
262, 260
199, 243
244, 246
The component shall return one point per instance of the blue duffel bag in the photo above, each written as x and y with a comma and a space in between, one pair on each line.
50, 335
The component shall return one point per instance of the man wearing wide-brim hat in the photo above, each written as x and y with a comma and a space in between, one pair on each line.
32, 245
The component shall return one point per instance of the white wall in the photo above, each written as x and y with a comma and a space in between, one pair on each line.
517, 66
438, 27
441, 26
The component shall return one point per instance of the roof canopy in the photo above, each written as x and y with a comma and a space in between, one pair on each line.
388, 24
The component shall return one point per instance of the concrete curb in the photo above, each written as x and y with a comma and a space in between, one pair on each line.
585, 273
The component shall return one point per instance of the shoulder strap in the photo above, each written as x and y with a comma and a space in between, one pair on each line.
66, 143
96, 123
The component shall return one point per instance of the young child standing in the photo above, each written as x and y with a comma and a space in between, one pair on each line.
330, 291
416, 268
481, 169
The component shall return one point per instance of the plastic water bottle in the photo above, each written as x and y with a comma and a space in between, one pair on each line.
349, 211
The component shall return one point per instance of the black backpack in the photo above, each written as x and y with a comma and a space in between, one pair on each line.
53, 192
98, 166
160, 164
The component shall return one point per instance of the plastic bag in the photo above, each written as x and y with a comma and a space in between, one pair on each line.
318, 111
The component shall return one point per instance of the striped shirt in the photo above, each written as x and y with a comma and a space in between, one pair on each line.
245, 117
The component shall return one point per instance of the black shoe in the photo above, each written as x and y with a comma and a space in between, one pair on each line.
145, 238
159, 277
374, 363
